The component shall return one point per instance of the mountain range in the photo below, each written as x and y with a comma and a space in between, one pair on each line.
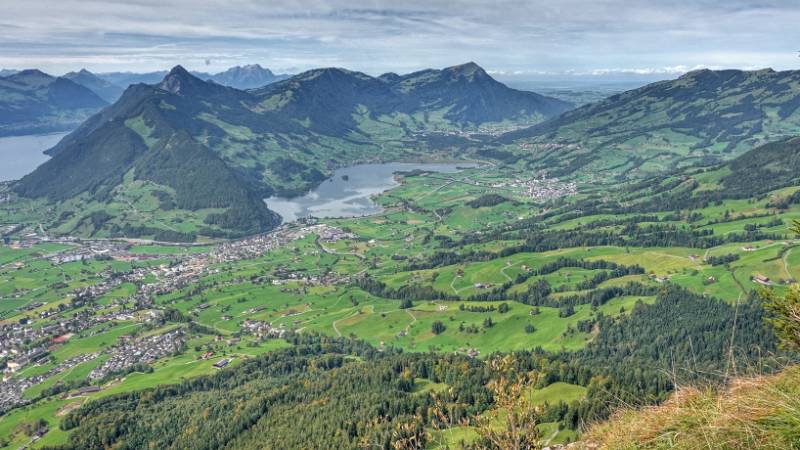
104, 89
33, 102
702, 118
288, 136
200, 146
240, 77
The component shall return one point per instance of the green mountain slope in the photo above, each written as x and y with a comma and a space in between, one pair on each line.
457, 97
701, 118
766, 168
33, 102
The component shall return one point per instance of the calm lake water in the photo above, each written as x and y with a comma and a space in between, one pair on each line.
19, 155
347, 193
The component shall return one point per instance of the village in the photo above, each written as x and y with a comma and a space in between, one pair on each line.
27, 343
131, 352
542, 189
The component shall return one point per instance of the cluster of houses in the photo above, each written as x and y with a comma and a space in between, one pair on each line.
89, 250
483, 130
262, 329
541, 189
255, 246
544, 147
24, 343
12, 389
139, 351
328, 233
327, 279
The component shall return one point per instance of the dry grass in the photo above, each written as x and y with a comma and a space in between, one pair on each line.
751, 413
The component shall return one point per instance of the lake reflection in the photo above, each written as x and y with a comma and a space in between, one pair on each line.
20, 155
348, 192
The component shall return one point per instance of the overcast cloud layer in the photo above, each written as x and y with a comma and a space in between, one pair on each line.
510, 38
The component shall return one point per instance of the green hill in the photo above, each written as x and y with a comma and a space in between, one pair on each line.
33, 102
701, 118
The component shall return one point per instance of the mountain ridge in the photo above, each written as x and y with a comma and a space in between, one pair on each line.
32, 101
104, 89
703, 117
282, 138
244, 77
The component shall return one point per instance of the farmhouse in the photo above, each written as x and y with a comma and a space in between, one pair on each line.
221, 363
761, 279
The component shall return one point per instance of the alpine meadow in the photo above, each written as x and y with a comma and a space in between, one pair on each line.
255, 225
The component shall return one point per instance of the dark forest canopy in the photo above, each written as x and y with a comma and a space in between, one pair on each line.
317, 385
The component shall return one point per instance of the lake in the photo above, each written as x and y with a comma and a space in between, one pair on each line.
20, 155
348, 192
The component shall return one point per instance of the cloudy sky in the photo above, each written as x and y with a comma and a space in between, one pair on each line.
511, 38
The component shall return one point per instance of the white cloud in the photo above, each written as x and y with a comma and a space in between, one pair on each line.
510, 37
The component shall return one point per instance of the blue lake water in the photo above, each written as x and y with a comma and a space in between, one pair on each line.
20, 155
348, 193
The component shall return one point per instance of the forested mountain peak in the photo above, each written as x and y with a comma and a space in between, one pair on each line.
179, 80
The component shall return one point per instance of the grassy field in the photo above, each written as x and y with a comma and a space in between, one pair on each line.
751, 413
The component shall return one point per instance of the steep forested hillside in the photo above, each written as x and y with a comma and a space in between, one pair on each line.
134, 138
763, 169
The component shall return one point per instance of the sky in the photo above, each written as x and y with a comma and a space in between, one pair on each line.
512, 39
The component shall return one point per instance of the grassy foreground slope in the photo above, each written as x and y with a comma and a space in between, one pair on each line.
752, 413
